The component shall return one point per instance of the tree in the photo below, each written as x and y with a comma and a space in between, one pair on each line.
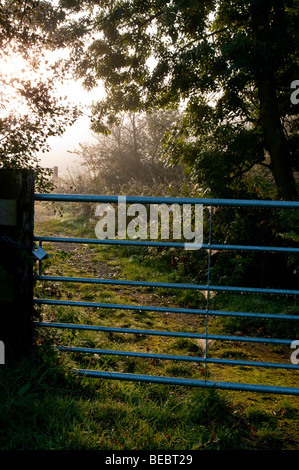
128, 157
230, 63
31, 110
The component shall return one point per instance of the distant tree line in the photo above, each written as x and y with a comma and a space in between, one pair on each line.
128, 159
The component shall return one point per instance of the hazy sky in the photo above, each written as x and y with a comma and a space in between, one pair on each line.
60, 155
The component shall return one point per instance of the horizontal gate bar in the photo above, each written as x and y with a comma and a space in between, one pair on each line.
165, 333
188, 311
167, 200
167, 357
173, 286
187, 382
216, 247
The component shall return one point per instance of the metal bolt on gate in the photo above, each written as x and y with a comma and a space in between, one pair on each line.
212, 204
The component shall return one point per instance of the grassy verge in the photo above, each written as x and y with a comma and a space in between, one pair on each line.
43, 405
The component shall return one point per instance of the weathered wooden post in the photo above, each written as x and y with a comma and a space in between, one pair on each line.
16, 262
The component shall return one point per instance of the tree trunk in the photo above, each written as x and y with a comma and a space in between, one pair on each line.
276, 141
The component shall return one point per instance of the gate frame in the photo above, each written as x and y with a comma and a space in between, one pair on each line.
212, 203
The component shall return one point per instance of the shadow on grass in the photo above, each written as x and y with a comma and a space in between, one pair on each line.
40, 405
44, 406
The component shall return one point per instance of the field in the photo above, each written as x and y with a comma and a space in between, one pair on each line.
44, 405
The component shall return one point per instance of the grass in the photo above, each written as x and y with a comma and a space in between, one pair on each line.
44, 405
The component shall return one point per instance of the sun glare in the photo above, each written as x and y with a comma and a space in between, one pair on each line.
15, 71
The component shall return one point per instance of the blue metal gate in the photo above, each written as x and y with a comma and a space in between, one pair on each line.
211, 204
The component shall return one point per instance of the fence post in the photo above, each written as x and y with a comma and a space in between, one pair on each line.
16, 262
